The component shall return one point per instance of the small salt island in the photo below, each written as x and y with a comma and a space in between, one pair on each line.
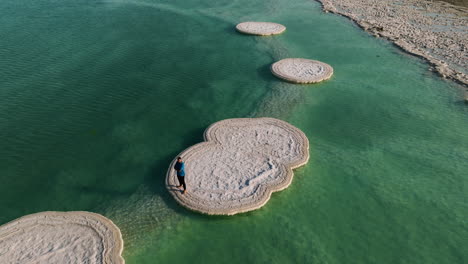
61, 237
241, 163
260, 28
297, 70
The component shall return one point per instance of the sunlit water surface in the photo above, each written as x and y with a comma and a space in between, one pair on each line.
97, 97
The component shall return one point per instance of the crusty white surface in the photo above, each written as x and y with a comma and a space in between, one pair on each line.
299, 70
434, 30
260, 28
61, 237
241, 163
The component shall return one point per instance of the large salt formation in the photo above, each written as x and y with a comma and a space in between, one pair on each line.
260, 28
299, 70
241, 163
61, 237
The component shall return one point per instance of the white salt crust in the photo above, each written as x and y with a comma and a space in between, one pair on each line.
434, 30
241, 163
260, 28
61, 237
299, 70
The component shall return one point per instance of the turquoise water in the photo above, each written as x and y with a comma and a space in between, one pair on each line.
97, 97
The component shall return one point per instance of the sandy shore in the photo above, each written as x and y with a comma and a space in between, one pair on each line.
436, 31
241, 163
61, 237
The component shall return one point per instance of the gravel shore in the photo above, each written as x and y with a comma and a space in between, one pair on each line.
434, 30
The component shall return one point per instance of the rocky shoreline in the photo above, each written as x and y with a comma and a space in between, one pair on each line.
436, 31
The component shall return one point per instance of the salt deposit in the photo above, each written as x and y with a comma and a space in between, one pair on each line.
299, 70
241, 163
260, 28
61, 237
433, 30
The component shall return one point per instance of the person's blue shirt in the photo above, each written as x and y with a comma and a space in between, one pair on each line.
180, 168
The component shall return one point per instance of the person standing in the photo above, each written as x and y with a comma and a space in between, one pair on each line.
180, 169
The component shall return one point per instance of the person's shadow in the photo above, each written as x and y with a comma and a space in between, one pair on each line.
173, 188
156, 177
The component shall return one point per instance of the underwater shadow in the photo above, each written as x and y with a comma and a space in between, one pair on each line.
87, 189
232, 31
265, 74
156, 177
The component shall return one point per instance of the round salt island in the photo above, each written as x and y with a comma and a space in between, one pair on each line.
299, 70
61, 237
240, 164
260, 28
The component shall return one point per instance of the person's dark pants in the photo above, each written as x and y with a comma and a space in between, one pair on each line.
181, 181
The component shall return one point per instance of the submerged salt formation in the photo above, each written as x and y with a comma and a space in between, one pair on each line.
241, 163
299, 70
61, 237
260, 28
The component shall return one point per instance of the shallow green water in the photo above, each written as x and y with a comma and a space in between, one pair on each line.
97, 97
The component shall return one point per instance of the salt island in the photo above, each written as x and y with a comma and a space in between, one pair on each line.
61, 237
298, 70
240, 164
260, 28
